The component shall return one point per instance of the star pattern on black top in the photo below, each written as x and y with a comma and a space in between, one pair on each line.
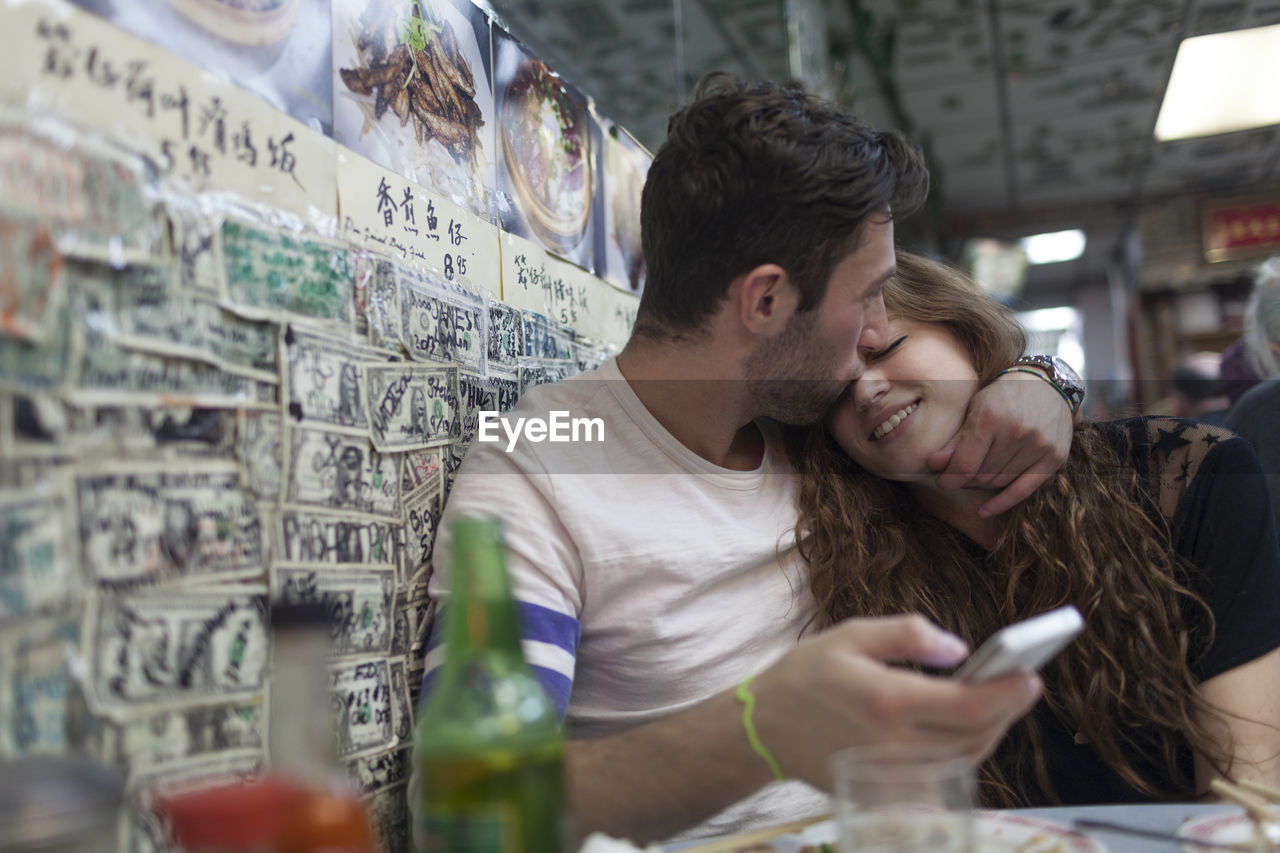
1211, 438
1170, 440
1185, 473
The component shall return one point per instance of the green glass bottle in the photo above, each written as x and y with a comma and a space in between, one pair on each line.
488, 751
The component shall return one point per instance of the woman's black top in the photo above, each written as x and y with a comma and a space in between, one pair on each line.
1207, 485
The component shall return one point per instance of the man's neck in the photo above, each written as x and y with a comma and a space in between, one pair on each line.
699, 396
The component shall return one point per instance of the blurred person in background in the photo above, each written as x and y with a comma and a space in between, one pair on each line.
1256, 415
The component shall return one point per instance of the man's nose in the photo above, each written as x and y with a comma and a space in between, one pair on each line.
875, 326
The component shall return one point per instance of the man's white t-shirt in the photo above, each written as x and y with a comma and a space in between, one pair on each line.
648, 578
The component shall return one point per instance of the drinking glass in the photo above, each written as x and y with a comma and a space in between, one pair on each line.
890, 799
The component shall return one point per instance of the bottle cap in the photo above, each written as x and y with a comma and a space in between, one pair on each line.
299, 614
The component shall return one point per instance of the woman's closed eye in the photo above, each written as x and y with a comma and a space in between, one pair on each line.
885, 351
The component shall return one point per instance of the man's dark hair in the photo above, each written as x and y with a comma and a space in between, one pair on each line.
756, 174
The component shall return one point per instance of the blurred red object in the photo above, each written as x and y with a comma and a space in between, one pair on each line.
242, 818
271, 815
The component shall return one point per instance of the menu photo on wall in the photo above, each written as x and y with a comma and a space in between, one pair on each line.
546, 177
413, 93
265, 46
624, 166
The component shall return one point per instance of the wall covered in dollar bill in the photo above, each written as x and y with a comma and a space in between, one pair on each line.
255, 287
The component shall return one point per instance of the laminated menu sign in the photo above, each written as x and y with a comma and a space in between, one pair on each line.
195, 126
390, 215
525, 281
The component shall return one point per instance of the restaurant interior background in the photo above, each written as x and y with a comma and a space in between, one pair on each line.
265, 262
1035, 116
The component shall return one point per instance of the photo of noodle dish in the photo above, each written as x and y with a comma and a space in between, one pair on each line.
546, 175
412, 93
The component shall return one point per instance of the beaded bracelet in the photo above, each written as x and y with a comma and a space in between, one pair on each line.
1054, 385
748, 707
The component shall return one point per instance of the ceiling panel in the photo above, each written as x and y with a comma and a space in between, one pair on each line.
1216, 162
1127, 86
1215, 16
1040, 36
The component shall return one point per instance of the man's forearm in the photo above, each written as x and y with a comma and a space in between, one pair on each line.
656, 780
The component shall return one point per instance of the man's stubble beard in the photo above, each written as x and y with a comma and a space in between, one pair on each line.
790, 377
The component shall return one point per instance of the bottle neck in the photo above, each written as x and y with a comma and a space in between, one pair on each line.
480, 615
301, 738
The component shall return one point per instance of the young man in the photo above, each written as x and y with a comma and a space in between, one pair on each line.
657, 569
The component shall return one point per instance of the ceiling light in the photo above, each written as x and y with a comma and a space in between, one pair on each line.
1054, 247
1222, 83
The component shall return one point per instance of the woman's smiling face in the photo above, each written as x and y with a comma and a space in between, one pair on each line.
909, 403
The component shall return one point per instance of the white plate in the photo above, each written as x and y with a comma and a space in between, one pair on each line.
1229, 828
995, 832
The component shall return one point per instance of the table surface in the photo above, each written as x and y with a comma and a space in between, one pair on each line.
1161, 817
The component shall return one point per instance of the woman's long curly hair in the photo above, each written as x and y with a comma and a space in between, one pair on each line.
1083, 538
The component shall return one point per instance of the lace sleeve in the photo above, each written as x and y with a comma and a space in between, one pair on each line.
1175, 449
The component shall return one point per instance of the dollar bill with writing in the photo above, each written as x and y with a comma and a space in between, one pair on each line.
39, 711
147, 523
389, 814
176, 648
304, 536
423, 509
102, 197
378, 301
195, 227
372, 773
341, 472
364, 707
358, 599
38, 560
420, 466
442, 323
412, 406
30, 279
260, 451
148, 741
505, 339
323, 382
45, 364
270, 271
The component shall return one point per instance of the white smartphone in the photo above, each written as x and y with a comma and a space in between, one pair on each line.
1023, 646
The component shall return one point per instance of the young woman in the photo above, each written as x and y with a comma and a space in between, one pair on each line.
1159, 530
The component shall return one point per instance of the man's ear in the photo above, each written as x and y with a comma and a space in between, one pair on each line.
765, 299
